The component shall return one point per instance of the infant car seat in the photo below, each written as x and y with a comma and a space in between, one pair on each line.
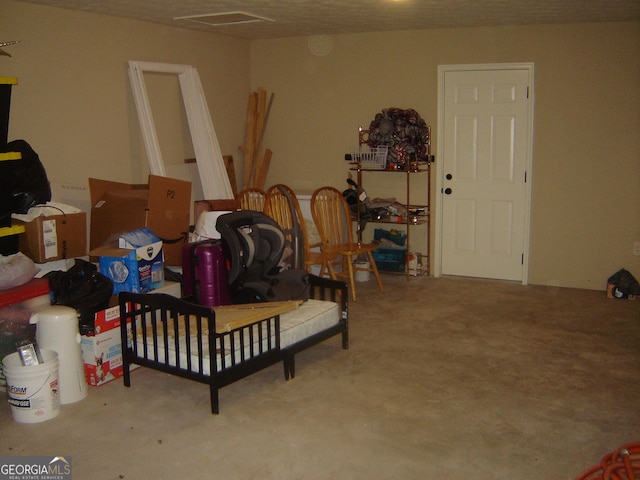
253, 244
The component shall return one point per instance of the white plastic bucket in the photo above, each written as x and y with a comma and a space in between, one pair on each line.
362, 275
32, 391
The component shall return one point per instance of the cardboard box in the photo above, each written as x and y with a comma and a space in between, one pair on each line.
135, 264
162, 205
221, 205
16, 306
55, 237
102, 351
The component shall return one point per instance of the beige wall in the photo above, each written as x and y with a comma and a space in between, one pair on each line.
74, 105
586, 173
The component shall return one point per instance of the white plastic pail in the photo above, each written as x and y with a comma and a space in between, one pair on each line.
362, 275
32, 391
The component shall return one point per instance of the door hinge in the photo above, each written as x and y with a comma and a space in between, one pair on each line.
522, 259
527, 91
525, 176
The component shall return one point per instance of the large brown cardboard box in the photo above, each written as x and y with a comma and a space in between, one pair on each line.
55, 237
162, 205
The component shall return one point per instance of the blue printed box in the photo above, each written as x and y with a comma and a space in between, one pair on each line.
136, 264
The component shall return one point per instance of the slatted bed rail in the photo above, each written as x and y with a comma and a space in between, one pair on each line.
156, 326
321, 288
218, 346
173, 336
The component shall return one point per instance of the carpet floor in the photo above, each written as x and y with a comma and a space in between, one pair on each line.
446, 378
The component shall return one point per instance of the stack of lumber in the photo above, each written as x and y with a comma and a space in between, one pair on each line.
256, 161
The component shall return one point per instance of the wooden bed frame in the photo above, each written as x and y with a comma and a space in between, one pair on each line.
242, 347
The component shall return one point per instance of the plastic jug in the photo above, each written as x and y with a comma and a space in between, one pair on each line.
57, 329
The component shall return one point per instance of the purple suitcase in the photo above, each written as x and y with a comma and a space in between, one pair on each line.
204, 274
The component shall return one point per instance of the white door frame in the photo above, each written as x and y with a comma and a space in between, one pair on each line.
211, 168
442, 69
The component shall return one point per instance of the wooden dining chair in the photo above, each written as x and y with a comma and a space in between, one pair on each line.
252, 199
282, 205
332, 217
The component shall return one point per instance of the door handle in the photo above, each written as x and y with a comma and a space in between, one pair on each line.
447, 191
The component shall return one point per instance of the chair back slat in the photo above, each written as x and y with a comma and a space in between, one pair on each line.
282, 205
331, 215
252, 199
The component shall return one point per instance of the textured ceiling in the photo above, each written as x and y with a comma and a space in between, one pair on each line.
322, 17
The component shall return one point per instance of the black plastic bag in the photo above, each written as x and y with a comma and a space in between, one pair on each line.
624, 284
81, 287
24, 181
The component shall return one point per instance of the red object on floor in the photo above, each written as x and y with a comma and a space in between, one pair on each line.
622, 464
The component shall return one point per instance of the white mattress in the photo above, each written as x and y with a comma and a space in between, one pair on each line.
311, 317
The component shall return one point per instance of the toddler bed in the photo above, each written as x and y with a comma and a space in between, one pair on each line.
175, 336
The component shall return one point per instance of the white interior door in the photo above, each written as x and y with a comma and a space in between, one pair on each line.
485, 152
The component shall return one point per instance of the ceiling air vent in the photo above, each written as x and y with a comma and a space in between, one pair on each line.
224, 18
